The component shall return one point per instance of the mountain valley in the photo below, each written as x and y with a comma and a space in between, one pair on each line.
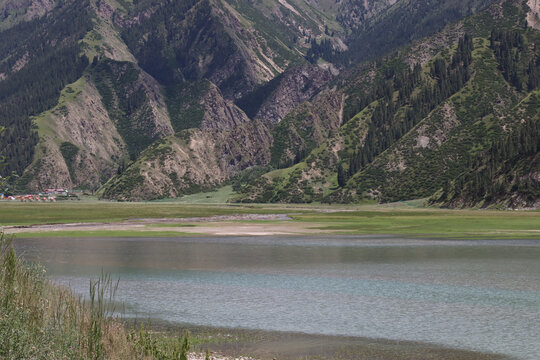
290, 101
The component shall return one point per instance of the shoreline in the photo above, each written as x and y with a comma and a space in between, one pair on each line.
220, 225
235, 225
239, 343
240, 225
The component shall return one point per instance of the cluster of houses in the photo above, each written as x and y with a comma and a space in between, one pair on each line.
48, 195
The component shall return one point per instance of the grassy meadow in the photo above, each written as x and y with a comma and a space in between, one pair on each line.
102, 211
464, 224
404, 219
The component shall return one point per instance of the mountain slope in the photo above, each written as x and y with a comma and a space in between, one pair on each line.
162, 98
197, 54
404, 21
191, 161
232, 44
37, 59
74, 152
386, 152
507, 173
15, 11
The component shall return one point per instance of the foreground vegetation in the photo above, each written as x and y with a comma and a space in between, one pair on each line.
40, 320
404, 219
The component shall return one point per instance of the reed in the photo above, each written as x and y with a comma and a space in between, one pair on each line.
40, 319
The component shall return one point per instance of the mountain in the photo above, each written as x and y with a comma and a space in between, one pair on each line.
404, 21
293, 100
506, 174
124, 70
414, 121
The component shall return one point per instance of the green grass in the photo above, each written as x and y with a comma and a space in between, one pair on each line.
70, 94
169, 225
45, 321
464, 224
404, 219
54, 213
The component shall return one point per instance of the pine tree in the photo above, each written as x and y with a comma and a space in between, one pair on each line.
341, 176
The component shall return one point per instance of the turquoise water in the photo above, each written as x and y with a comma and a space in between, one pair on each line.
478, 295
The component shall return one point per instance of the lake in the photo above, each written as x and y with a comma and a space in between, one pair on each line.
476, 295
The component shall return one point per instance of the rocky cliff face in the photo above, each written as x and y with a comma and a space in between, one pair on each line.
295, 87
80, 146
533, 16
354, 14
15, 11
190, 161
220, 113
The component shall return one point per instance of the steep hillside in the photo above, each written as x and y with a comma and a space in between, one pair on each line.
79, 144
506, 174
13, 12
400, 22
162, 98
412, 130
356, 14
157, 68
438, 148
305, 128
37, 60
236, 45
271, 102
211, 157
134, 102
100, 122
191, 161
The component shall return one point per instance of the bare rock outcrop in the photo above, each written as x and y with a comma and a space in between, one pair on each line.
191, 160
50, 169
296, 86
84, 124
160, 121
220, 113
533, 17
30, 8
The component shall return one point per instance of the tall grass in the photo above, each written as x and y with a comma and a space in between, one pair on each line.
42, 320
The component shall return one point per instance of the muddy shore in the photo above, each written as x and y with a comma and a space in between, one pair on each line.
245, 344
224, 225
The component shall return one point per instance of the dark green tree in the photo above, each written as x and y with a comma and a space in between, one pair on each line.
341, 176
